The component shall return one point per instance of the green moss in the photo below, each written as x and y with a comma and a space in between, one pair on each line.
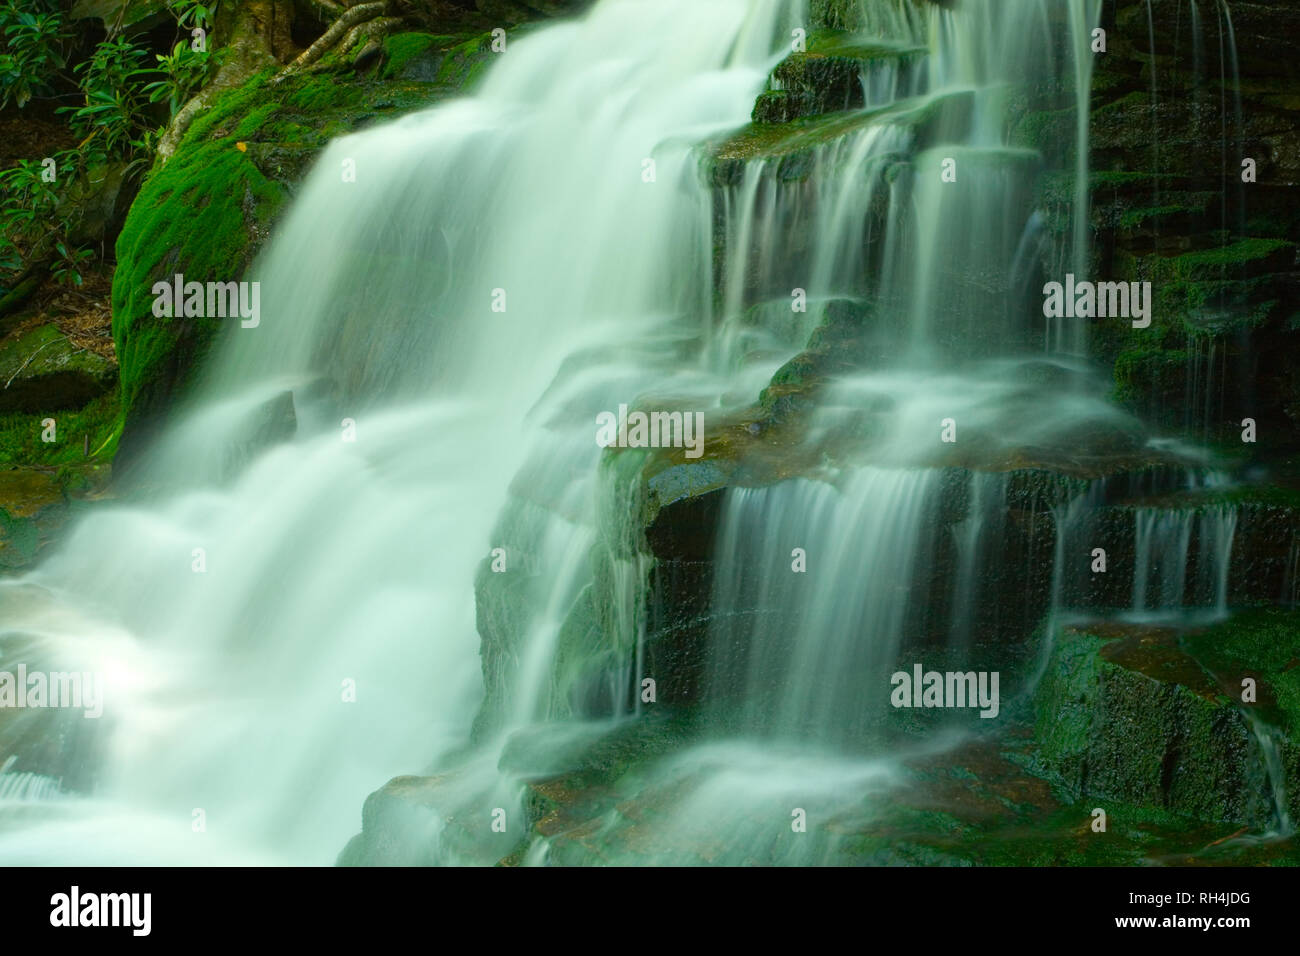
1142, 216
980, 805
1050, 132
452, 60
1144, 716
1200, 295
1282, 502
196, 216
43, 372
95, 428
400, 49
1147, 375
827, 77
464, 64
794, 142
1239, 495
1247, 256
1059, 186
849, 45
1063, 727
839, 14
1263, 644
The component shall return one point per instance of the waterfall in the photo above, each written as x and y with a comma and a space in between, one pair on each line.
1239, 139
1155, 109
1266, 738
1290, 595
441, 571
1161, 545
810, 599
1164, 555
292, 625
1083, 16
1072, 523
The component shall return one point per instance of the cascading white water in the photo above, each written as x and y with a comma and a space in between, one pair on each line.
281, 640
1162, 542
942, 265
800, 649
1071, 520
330, 568
26, 787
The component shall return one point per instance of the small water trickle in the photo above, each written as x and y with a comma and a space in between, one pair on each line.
26, 787
976, 538
1271, 754
1290, 596
1171, 545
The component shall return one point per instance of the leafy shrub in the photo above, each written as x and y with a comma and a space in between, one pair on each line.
35, 38
33, 225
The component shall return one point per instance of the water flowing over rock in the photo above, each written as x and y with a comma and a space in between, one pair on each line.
381, 541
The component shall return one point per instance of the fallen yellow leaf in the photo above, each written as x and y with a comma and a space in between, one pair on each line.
242, 147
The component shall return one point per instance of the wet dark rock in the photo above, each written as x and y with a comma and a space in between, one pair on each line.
1150, 716
32, 510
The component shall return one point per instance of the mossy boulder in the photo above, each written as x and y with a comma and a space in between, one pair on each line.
451, 61
41, 371
1147, 716
76, 451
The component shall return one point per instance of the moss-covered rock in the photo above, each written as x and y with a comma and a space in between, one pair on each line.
33, 508
629, 795
792, 144
833, 74
49, 461
41, 371
1139, 715
25, 495
451, 61
1170, 128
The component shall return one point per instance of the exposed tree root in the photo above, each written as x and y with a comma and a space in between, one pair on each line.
338, 30
249, 49
375, 29
323, 10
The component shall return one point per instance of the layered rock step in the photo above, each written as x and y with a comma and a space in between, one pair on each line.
637, 794
839, 71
